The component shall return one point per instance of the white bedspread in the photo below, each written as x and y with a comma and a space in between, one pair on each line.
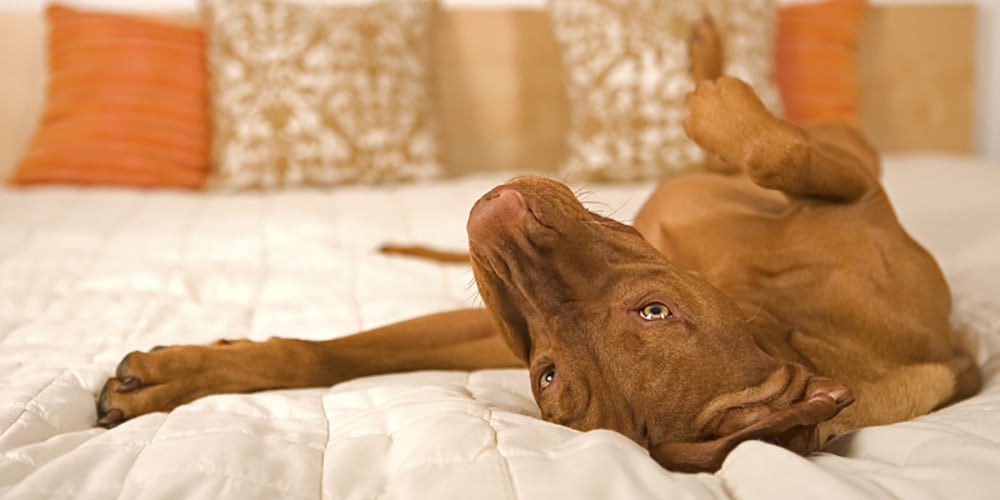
86, 275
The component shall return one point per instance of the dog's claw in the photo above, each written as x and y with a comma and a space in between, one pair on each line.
128, 384
112, 418
121, 371
705, 51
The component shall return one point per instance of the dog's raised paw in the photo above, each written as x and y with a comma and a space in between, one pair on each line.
722, 114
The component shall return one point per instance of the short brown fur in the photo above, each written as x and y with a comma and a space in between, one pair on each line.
775, 298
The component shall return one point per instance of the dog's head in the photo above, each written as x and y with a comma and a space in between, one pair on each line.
616, 337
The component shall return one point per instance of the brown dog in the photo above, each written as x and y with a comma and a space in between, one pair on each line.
782, 303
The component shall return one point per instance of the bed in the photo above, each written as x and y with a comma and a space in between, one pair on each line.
88, 274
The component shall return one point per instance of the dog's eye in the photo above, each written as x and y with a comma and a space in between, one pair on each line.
547, 377
655, 311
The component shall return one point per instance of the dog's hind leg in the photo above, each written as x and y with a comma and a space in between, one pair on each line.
832, 163
900, 394
707, 55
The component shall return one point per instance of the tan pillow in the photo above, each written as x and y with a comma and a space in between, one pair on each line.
626, 68
319, 92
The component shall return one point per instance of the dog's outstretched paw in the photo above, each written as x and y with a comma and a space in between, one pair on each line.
145, 383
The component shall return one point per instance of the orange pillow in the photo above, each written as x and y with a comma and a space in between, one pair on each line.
815, 66
127, 104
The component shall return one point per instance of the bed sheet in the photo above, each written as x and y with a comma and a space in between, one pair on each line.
87, 275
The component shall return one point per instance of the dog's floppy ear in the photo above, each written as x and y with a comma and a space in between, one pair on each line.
515, 335
793, 427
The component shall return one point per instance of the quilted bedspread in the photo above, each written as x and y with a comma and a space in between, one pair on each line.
87, 275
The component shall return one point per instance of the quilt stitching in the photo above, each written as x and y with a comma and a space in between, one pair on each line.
243, 432
263, 417
367, 415
354, 278
28, 406
487, 416
135, 459
184, 246
63, 492
68, 493
326, 447
264, 271
228, 474
946, 431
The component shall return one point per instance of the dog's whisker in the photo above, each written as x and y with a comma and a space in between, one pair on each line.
471, 285
618, 209
583, 192
760, 307
473, 298
602, 205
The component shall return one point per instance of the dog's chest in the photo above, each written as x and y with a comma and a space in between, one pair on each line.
760, 248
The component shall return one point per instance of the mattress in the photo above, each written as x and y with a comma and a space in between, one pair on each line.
87, 275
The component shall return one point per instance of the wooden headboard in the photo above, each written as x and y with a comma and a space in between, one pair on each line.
917, 67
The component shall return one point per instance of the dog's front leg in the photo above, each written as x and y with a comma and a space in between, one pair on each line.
833, 163
168, 377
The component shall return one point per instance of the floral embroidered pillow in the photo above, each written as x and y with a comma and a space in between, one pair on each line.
627, 70
320, 92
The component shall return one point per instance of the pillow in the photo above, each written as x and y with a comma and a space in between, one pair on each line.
320, 92
126, 104
815, 54
626, 68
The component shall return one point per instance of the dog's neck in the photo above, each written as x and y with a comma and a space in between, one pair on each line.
772, 334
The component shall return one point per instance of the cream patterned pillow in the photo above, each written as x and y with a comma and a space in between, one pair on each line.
626, 67
320, 92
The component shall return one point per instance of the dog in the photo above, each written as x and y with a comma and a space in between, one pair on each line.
773, 297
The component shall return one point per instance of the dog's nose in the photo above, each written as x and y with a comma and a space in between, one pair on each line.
498, 212
494, 193
500, 202
499, 191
